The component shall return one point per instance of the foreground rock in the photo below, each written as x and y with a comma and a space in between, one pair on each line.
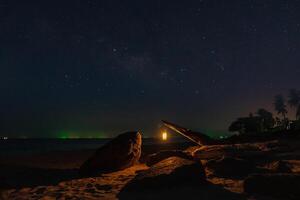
247, 151
171, 172
120, 153
174, 178
284, 186
280, 167
157, 157
231, 167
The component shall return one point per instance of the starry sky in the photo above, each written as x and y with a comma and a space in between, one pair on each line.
96, 68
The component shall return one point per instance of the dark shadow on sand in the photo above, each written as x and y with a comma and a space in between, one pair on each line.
23, 176
203, 192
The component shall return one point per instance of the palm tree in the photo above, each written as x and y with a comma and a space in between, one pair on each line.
294, 101
279, 104
280, 107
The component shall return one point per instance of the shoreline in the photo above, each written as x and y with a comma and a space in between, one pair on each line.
54, 175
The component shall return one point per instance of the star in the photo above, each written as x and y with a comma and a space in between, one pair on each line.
183, 70
221, 67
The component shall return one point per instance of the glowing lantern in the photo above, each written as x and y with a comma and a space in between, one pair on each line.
164, 136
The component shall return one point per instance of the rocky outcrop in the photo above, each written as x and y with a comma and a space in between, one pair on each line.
196, 137
157, 157
285, 186
245, 151
230, 167
280, 167
174, 178
120, 153
168, 173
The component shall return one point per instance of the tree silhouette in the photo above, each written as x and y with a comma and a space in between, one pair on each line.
267, 120
294, 101
238, 126
247, 125
280, 107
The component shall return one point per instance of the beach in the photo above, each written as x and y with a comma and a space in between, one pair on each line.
54, 174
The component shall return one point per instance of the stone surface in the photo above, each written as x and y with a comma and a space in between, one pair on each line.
175, 178
157, 157
285, 186
196, 137
171, 172
120, 153
231, 167
280, 167
247, 151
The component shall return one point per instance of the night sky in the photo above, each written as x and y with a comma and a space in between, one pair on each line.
92, 68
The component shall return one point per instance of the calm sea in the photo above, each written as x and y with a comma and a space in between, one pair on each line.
36, 146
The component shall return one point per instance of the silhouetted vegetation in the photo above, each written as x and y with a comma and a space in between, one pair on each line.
294, 101
263, 120
280, 106
266, 119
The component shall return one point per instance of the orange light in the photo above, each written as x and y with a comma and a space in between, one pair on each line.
164, 136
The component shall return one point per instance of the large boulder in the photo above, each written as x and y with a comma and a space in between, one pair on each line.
285, 186
245, 151
230, 167
171, 172
152, 159
280, 166
120, 153
174, 178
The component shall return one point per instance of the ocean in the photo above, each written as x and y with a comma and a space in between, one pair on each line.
37, 146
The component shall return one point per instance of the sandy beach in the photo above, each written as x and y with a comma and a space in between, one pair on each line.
54, 175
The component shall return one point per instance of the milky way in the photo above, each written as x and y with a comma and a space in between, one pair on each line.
96, 68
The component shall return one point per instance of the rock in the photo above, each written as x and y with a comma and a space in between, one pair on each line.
120, 153
210, 152
196, 137
284, 186
230, 167
175, 178
171, 172
280, 167
191, 150
157, 157
294, 165
243, 151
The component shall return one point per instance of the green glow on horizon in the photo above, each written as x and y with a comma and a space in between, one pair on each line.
72, 135
63, 135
